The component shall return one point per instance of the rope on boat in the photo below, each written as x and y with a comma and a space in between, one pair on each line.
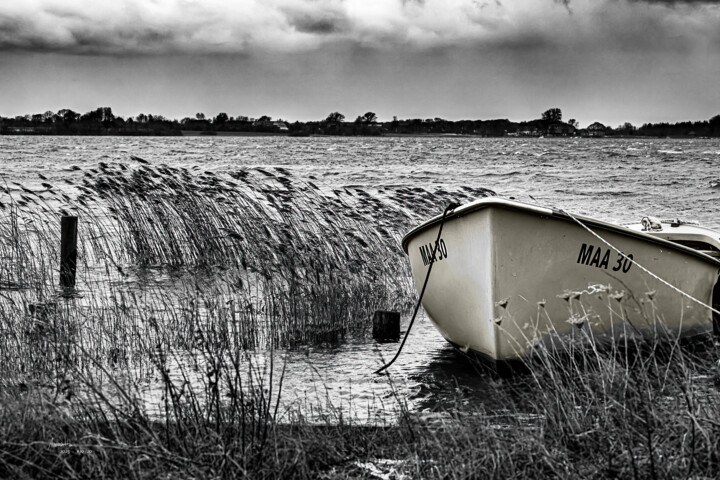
640, 266
422, 292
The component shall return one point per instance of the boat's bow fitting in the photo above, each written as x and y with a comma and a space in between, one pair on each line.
650, 224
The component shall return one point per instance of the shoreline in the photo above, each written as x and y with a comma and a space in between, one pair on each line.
384, 135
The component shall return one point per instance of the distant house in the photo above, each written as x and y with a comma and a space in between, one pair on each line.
561, 129
277, 125
530, 132
597, 129
281, 126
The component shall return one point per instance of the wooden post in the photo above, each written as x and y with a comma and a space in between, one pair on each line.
386, 326
68, 251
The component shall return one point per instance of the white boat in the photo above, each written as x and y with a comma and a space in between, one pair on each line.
510, 276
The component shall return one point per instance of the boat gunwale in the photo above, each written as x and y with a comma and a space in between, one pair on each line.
489, 202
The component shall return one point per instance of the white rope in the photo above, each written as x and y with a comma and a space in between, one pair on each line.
640, 266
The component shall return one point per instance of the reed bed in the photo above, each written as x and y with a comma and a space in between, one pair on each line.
306, 265
180, 274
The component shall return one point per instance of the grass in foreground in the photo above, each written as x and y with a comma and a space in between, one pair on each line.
597, 415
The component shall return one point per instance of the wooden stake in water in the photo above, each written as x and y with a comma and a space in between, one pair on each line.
68, 251
386, 326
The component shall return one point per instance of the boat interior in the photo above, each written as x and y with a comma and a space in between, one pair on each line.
693, 236
690, 235
683, 233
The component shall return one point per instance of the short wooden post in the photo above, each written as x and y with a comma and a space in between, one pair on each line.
386, 326
68, 251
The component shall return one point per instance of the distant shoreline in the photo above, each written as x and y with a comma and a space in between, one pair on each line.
102, 122
221, 134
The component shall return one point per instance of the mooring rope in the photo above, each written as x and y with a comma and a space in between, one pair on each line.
422, 292
639, 266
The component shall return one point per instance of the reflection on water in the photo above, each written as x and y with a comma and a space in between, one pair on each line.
431, 379
338, 381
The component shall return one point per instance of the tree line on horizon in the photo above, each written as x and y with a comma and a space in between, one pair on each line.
102, 121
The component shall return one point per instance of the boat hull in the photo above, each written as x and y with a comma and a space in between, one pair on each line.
509, 277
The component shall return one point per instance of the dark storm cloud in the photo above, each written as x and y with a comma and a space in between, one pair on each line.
322, 26
679, 2
313, 20
248, 26
56, 30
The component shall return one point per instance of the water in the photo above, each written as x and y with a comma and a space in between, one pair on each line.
619, 180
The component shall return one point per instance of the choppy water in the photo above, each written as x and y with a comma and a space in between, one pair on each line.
618, 180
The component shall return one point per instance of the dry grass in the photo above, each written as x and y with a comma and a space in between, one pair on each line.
596, 414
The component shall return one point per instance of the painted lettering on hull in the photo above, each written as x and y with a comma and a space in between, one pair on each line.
599, 257
426, 252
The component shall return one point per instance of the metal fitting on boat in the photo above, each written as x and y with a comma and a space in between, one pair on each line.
651, 223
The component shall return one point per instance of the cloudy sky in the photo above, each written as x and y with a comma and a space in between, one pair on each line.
598, 60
